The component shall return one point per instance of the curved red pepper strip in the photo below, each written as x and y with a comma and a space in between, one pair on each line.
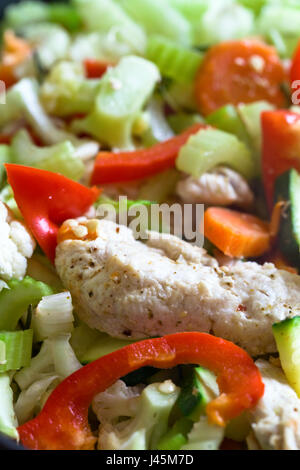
63, 422
295, 68
127, 166
281, 147
46, 200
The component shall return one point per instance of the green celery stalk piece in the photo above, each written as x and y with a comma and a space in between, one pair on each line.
123, 93
59, 158
210, 148
66, 15
15, 300
8, 421
158, 17
107, 16
26, 12
173, 60
18, 349
179, 122
227, 119
176, 437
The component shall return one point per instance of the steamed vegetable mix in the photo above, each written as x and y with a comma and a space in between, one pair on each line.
149, 224
71, 400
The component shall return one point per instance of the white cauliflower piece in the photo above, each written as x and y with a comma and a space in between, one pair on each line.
222, 187
16, 244
149, 421
118, 400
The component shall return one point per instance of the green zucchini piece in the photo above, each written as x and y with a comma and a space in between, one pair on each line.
287, 337
287, 189
198, 389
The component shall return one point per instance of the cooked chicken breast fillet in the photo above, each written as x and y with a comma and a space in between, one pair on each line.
131, 289
275, 421
219, 187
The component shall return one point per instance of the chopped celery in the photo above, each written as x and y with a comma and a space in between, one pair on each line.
29, 402
66, 15
8, 421
64, 359
285, 20
180, 96
255, 5
26, 12
204, 436
120, 206
191, 9
173, 60
158, 17
90, 345
250, 115
51, 42
24, 99
176, 437
42, 363
210, 148
5, 157
107, 47
122, 95
60, 158
29, 12
18, 348
179, 122
15, 300
223, 20
159, 187
227, 119
108, 17
53, 316
66, 91
158, 125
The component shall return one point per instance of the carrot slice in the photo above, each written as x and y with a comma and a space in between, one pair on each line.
239, 72
16, 51
237, 234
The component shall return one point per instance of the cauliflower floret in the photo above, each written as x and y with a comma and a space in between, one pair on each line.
151, 411
16, 246
118, 400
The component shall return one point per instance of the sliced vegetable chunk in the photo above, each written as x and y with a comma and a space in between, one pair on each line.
237, 72
237, 234
287, 337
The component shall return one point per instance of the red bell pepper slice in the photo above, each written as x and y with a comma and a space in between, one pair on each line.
281, 147
96, 68
295, 67
46, 200
63, 422
127, 166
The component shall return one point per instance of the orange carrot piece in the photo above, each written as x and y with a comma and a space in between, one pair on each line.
237, 234
16, 51
239, 72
